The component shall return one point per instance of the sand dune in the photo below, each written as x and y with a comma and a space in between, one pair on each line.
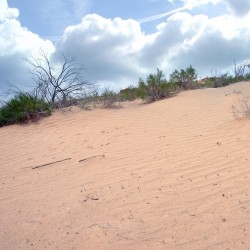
174, 174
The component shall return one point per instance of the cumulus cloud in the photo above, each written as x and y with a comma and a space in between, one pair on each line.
16, 42
117, 51
193, 3
107, 48
215, 43
6, 12
237, 7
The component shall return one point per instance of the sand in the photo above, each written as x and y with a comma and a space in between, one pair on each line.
168, 175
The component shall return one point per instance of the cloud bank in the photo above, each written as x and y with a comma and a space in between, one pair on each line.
16, 43
116, 52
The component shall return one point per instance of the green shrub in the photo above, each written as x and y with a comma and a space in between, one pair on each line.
155, 87
207, 82
224, 80
129, 94
22, 108
247, 77
185, 79
220, 80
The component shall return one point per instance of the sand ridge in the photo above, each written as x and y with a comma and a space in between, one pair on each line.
168, 175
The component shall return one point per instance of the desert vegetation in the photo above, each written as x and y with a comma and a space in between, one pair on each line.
241, 108
57, 86
240, 73
155, 87
63, 86
23, 107
186, 79
107, 99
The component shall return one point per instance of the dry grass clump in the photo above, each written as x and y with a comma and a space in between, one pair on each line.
108, 99
241, 109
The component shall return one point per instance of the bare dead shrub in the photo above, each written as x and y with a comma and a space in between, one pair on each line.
57, 85
241, 72
242, 108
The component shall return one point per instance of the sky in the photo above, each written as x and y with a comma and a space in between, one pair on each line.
120, 41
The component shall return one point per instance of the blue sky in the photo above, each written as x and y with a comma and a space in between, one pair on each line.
120, 41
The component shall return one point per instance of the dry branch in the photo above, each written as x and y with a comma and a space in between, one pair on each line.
91, 157
50, 163
58, 85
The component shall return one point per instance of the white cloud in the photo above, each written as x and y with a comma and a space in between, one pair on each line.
187, 5
16, 42
107, 48
117, 51
211, 43
6, 13
241, 7
159, 16
193, 3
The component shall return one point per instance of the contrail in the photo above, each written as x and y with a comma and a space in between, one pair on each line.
159, 16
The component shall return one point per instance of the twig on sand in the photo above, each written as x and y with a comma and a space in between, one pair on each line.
50, 163
124, 237
91, 157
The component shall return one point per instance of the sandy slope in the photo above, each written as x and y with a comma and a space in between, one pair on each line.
170, 175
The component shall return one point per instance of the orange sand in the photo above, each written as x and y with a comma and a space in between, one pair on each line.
176, 175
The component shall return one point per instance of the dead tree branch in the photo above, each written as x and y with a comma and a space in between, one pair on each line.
59, 83
50, 163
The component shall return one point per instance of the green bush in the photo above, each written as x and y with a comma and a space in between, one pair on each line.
22, 108
185, 79
155, 87
129, 94
224, 80
220, 80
